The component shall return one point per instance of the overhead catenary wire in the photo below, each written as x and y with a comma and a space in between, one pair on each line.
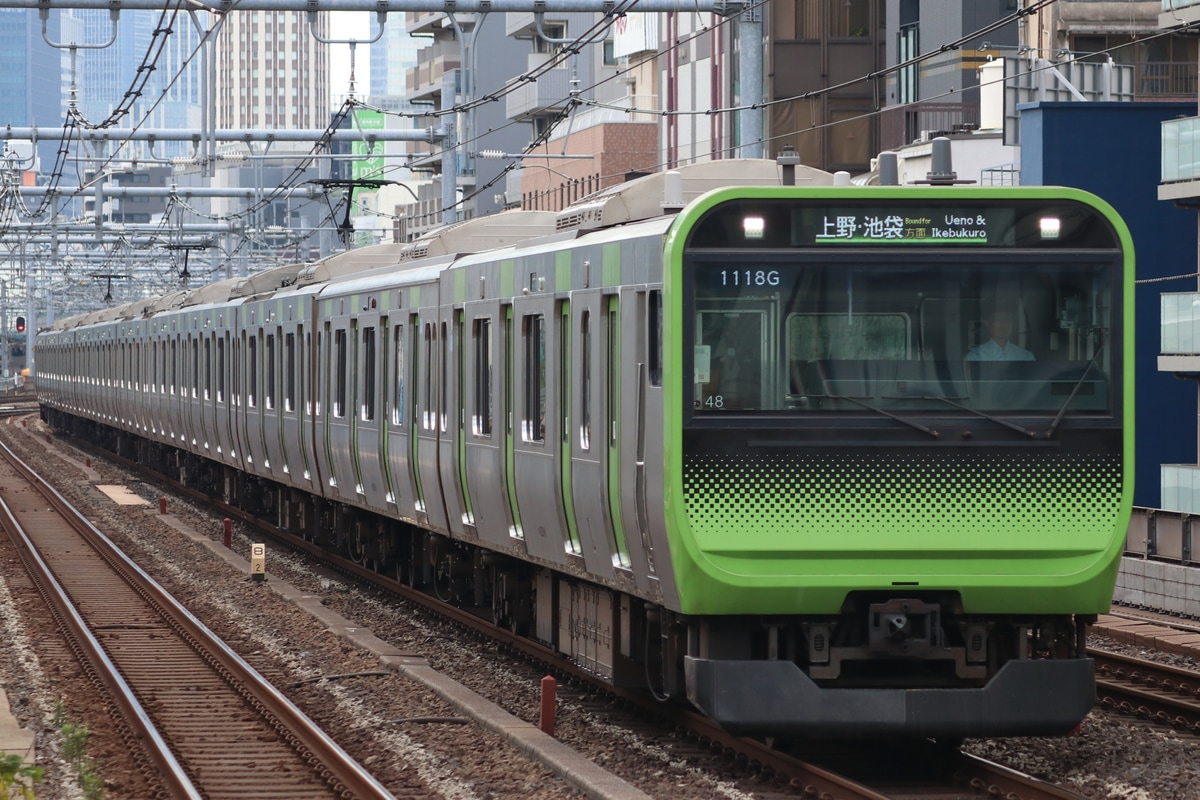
582, 101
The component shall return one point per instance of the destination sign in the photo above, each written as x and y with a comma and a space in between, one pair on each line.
832, 226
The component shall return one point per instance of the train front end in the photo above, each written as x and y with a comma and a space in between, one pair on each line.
898, 455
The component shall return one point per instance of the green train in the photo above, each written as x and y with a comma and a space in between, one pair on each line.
824, 460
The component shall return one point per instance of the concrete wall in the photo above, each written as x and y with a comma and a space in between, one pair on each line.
1172, 588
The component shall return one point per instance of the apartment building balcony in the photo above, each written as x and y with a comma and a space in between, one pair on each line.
424, 81
1180, 159
1180, 487
425, 22
1179, 352
1176, 13
1179, 336
1165, 80
917, 122
545, 95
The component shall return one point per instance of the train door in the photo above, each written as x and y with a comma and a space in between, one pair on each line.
137, 392
586, 435
620, 371
509, 416
269, 431
169, 421
629, 417
433, 419
154, 415
189, 401
368, 464
338, 337
486, 406
228, 374
238, 371
294, 433
178, 424
322, 352
450, 429
402, 414
536, 448
206, 412
247, 407
310, 389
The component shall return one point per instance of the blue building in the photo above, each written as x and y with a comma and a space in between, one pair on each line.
1114, 150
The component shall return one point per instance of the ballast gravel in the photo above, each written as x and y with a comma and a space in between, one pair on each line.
403, 732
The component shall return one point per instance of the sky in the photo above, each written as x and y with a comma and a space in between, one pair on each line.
345, 25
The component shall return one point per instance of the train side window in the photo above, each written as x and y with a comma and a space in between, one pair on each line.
482, 412
269, 373
613, 346
585, 379
195, 368
174, 361
312, 400
289, 372
533, 331
655, 312
564, 371
444, 376
369, 368
401, 377
509, 355
220, 370
252, 371
427, 411
208, 387
339, 373
235, 373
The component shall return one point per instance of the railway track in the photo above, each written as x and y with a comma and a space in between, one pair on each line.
207, 723
1162, 693
926, 772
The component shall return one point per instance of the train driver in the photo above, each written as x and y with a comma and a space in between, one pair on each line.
1000, 346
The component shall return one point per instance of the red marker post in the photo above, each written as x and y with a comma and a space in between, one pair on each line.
549, 692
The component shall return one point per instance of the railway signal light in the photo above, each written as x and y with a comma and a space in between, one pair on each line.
20, 324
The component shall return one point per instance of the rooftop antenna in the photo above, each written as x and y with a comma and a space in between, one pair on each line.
889, 168
941, 173
788, 158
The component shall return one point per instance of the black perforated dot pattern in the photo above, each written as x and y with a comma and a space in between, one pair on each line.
847, 490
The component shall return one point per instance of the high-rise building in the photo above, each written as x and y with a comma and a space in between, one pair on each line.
272, 71
392, 56
162, 70
465, 56
31, 91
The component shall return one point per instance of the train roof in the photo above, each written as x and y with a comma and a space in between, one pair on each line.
651, 196
482, 233
665, 192
350, 261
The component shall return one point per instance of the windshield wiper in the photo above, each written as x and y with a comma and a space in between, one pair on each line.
1074, 390
879, 410
985, 415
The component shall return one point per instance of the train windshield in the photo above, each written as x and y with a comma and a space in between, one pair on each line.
943, 332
